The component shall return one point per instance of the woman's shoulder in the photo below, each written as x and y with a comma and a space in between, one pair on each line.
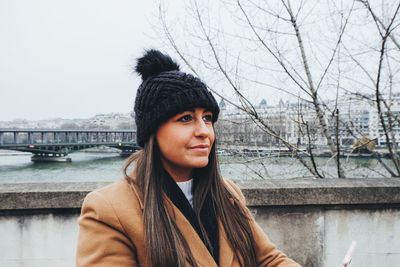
111, 226
119, 188
234, 190
114, 191
119, 198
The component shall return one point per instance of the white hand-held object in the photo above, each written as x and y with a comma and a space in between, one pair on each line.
347, 258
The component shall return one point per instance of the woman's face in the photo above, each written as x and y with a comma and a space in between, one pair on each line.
185, 142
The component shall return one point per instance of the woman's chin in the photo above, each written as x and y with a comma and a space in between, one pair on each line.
200, 163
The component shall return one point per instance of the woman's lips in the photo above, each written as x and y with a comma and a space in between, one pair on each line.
200, 147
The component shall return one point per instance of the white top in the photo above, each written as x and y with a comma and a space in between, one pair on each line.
186, 188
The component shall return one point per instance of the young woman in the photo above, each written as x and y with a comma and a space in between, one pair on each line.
173, 209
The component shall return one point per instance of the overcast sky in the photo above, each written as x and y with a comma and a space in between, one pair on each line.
74, 59
71, 59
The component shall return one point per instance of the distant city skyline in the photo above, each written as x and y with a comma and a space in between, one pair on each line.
71, 59
98, 121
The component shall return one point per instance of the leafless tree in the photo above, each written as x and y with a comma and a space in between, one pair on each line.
310, 51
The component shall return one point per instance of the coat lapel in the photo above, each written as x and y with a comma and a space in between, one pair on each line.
196, 245
226, 254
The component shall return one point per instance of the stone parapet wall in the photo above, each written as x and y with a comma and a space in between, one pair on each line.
296, 192
271, 192
313, 221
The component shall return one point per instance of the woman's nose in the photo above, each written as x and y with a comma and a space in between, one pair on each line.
201, 128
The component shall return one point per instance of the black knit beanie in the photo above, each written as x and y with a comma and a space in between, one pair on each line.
165, 91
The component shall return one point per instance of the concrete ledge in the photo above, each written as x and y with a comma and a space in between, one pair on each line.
45, 195
276, 192
283, 192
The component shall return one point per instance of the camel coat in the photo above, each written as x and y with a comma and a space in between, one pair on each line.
112, 232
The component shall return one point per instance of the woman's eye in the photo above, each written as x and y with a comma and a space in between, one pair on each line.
185, 118
207, 118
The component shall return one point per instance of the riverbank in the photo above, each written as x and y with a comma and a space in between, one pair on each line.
262, 151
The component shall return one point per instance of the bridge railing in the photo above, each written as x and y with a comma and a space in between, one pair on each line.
34, 137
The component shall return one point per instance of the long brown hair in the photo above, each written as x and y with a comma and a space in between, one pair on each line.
165, 244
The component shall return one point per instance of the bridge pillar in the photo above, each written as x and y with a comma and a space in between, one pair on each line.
50, 158
1, 138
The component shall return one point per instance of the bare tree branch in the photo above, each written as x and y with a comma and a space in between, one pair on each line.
395, 156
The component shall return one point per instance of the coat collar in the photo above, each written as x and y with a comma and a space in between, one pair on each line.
207, 215
196, 245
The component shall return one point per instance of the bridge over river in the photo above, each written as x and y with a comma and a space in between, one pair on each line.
54, 145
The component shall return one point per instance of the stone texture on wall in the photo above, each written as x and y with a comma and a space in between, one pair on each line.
313, 221
38, 240
320, 236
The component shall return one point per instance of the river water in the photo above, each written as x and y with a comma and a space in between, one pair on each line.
16, 167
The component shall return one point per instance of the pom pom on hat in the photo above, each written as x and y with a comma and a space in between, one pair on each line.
165, 91
153, 63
